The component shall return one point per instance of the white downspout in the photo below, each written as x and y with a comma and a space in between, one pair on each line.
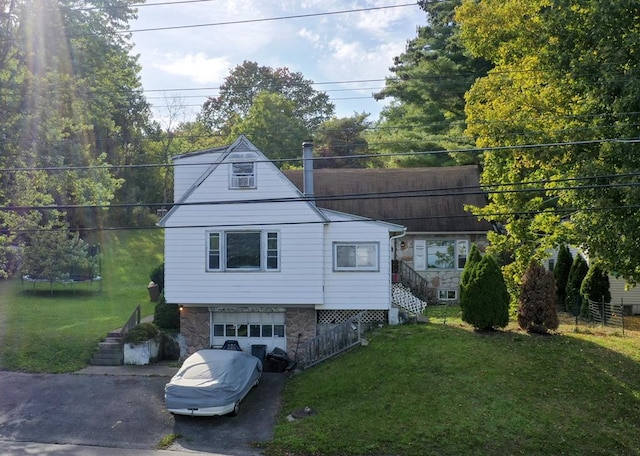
393, 320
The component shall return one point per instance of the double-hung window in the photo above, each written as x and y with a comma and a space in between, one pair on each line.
243, 251
355, 256
242, 175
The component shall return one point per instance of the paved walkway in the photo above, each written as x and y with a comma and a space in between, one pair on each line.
163, 369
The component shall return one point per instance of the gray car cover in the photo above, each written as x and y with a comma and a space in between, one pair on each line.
212, 378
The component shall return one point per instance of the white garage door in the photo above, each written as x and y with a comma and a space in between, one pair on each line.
249, 328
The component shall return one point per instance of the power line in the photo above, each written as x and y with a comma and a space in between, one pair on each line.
558, 211
341, 157
267, 19
470, 190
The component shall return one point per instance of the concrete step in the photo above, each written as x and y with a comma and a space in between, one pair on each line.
106, 362
109, 343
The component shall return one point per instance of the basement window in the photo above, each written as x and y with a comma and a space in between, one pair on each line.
447, 295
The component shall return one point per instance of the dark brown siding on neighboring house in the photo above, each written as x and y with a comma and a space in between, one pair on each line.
422, 199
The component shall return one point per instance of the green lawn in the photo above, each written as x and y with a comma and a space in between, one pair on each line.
444, 389
58, 332
439, 388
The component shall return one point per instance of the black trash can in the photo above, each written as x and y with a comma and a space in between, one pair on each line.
259, 351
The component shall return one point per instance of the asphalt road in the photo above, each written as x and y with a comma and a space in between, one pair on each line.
124, 411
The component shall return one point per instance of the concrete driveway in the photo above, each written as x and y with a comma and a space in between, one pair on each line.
123, 407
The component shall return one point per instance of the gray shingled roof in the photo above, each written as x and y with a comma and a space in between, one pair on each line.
422, 199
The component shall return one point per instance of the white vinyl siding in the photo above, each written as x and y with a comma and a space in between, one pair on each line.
298, 282
367, 289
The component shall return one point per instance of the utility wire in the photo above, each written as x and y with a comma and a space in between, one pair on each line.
341, 157
472, 190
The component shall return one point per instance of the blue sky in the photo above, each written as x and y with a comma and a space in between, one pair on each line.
184, 65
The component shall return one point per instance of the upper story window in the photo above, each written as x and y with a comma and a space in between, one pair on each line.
355, 256
243, 251
440, 254
243, 175
242, 171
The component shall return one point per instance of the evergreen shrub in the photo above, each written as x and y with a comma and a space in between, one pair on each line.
166, 316
485, 303
537, 305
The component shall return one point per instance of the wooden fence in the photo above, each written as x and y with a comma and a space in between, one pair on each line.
338, 339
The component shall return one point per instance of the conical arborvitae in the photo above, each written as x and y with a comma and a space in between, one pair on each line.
537, 308
485, 303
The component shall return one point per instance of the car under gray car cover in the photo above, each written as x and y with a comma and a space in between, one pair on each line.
212, 378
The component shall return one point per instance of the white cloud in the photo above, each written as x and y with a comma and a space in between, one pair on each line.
310, 36
197, 67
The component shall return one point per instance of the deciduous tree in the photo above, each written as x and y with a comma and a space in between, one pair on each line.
246, 81
554, 83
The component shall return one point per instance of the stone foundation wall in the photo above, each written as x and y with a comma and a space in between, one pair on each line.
299, 322
195, 326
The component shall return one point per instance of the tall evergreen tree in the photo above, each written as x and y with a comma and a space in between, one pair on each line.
428, 87
578, 271
486, 299
537, 309
595, 287
561, 273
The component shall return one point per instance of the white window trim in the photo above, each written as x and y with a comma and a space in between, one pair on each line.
264, 234
374, 268
421, 254
248, 179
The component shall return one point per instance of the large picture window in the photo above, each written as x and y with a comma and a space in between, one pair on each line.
440, 254
243, 251
355, 256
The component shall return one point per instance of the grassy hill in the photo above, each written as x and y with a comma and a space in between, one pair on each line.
41, 331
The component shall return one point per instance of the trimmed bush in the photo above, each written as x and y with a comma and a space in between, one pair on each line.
141, 333
594, 287
577, 274
537, 308
166, 316
561, 274
157, 276
486, 299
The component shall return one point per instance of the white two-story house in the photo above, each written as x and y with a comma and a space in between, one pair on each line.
249, 257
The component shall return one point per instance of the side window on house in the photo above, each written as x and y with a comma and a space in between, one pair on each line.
355, 256
243, 251
242, 173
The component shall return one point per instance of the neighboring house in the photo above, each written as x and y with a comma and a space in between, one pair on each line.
428, 201
249, 257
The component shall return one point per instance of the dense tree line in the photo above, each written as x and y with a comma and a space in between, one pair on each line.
564, 72
70, 95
